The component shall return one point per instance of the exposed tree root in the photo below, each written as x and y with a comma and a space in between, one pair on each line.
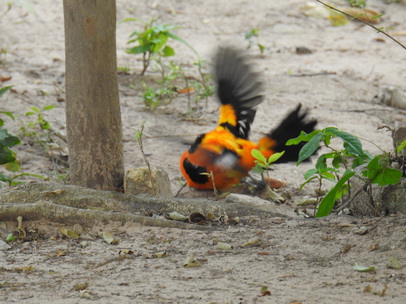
77, 205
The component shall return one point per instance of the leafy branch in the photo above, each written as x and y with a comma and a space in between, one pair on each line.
339, 166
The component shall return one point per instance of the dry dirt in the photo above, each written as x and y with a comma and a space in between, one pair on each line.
307, 261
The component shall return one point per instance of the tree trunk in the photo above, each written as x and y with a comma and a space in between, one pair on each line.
92, 102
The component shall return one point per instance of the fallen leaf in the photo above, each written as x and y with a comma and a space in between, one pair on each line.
109, 238
86, 294
176, 216
224, 246
191, 261
189, 90
309, 201
80, 286
312, 9
253, 241
394, 263
337, 19
363, 268
60, 253
161, 254
363, 14
4, 79
70, 234
57, 192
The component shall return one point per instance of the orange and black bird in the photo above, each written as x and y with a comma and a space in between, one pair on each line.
223, 156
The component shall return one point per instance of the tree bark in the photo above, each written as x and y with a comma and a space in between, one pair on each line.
92, 102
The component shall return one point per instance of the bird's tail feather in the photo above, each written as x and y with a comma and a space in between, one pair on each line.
239, 88
290, 127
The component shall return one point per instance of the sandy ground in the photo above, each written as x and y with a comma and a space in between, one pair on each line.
307, 261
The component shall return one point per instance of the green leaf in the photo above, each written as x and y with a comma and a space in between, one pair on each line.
13, 166
249, 35
302, 137
310, 147
363, 268
328, 202
258, 156
261, 48
310, 173
47, 108
351, 142
9, 114
326, 173
159, 42
6, 155
321, 162
377, 16
128, 20
10, 237
7, 139
168, 51
4, 178
401, 146
274, 157
252, 33
388, 176
379, 172
139, 49
4, 90
258, 169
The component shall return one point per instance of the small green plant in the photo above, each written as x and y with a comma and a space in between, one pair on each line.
39, 129
153, 40
177, 81
156, 97
139, 134
253, 40
8, 158
123, 70
152, 43
262, 165
338, 165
